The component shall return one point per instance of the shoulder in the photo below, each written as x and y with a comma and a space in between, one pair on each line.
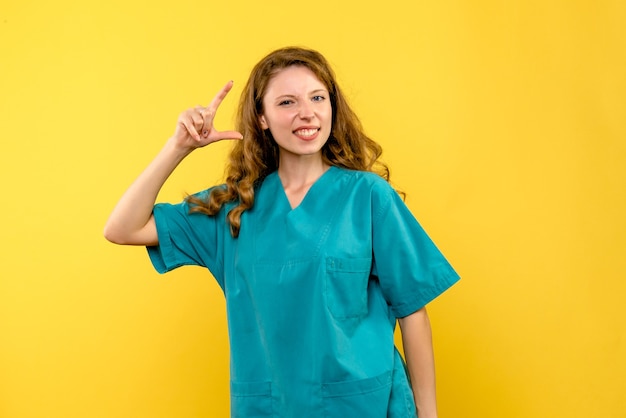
368, 183
197, 203
371, 189
364, 179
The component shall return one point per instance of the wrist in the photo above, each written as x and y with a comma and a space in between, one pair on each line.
173, 148
423, 412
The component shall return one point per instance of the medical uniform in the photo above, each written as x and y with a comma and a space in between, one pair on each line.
313, 293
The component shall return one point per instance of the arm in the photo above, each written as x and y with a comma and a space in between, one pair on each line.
418, 351
131, 222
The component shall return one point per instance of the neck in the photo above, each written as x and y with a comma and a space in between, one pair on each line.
301, 171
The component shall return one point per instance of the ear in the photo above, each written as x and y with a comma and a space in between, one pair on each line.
263, 123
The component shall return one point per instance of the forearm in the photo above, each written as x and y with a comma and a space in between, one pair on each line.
129, 223
418, 351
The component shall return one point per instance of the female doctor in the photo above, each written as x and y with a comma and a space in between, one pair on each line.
316, 254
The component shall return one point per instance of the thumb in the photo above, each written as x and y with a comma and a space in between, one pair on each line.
228, 135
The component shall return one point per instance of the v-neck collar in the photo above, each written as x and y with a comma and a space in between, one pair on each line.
316, 184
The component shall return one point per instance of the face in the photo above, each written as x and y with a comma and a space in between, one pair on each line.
298, 112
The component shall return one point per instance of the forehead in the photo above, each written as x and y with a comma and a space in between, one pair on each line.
293, 80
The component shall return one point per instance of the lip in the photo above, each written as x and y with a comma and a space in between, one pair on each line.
307, 137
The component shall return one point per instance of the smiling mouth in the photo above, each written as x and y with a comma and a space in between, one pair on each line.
306, 132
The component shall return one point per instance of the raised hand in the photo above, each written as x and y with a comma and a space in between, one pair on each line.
195, 129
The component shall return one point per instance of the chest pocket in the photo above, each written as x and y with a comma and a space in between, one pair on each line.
346, 286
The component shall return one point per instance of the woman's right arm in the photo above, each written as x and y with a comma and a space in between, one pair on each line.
131, 222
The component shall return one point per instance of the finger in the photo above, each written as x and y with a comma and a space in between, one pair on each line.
208, 123
218, 136
198, 110
190, 129
219, 97
207, 119
209, 112
198, 120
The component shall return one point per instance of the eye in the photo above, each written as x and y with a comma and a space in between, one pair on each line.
318, 98
285, 102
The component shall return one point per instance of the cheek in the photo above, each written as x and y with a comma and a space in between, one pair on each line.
329, 112
275, 119
329, 118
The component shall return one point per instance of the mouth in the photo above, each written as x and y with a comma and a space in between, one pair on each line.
306, 133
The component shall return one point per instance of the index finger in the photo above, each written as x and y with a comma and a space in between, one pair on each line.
217, 100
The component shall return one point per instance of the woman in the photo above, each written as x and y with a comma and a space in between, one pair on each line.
316, 254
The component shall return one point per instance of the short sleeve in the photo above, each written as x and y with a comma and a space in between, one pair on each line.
411, 270
187, 239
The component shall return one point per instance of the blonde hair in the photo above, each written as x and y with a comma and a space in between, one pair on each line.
256, 156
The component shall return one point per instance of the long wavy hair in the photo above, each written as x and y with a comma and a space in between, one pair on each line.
256, 155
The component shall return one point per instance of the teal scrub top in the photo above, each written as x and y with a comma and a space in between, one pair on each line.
313, 293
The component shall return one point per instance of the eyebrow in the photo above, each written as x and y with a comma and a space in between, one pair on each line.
293, 95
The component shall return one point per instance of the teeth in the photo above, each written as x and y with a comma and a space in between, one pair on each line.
306, 132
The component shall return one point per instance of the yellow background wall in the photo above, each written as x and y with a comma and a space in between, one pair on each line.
502, 120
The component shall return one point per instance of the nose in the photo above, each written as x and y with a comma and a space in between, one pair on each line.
305, 111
